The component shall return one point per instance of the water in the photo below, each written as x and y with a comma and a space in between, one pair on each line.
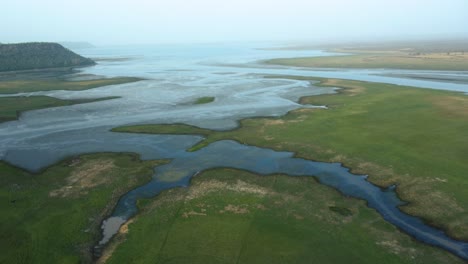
176, 76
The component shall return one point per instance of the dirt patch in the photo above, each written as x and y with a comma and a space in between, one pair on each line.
395, 247
199, 190
84, 177
235, 209
74, 162
452, 105
124, 228
303, 111
351, 88
192, 213
298, 217
270, 122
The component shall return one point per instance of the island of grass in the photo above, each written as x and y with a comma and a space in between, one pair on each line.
455, 59
232, 216
11, 107
204, 100
412, 137
26, 86
55, 216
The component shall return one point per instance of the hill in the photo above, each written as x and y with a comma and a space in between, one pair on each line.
76, 45
38, 55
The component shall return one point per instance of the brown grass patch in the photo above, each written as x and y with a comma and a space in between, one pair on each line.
270, 122
84, 177
396, 248
351, 87
452, 105
298, 217
235, 209
199, 190
192, 213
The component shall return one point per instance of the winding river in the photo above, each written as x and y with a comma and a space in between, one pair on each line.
175, 77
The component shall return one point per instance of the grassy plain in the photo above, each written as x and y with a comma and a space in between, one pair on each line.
55, 216
456, 61
416, 138
232, 216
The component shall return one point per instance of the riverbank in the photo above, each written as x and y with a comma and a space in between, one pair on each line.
411, 137
233, 216
60, 210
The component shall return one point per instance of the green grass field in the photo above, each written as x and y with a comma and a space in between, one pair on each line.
416, 138
55, 216
232, 216
392, 60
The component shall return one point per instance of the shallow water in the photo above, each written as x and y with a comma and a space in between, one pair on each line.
177, 75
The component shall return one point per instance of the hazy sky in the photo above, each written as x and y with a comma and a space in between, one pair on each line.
169, 21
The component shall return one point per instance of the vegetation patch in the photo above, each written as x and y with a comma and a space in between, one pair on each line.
175, 129
398, 59
12, 107
38, 55
204, 100
26, 86
341, 210
55, 216
220, 218
85, 177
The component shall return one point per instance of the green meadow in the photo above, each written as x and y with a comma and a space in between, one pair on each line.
55, 216
232, 216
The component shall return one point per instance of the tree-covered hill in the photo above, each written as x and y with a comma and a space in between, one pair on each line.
38, 55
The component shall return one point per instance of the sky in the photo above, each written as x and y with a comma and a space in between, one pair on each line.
104, 22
